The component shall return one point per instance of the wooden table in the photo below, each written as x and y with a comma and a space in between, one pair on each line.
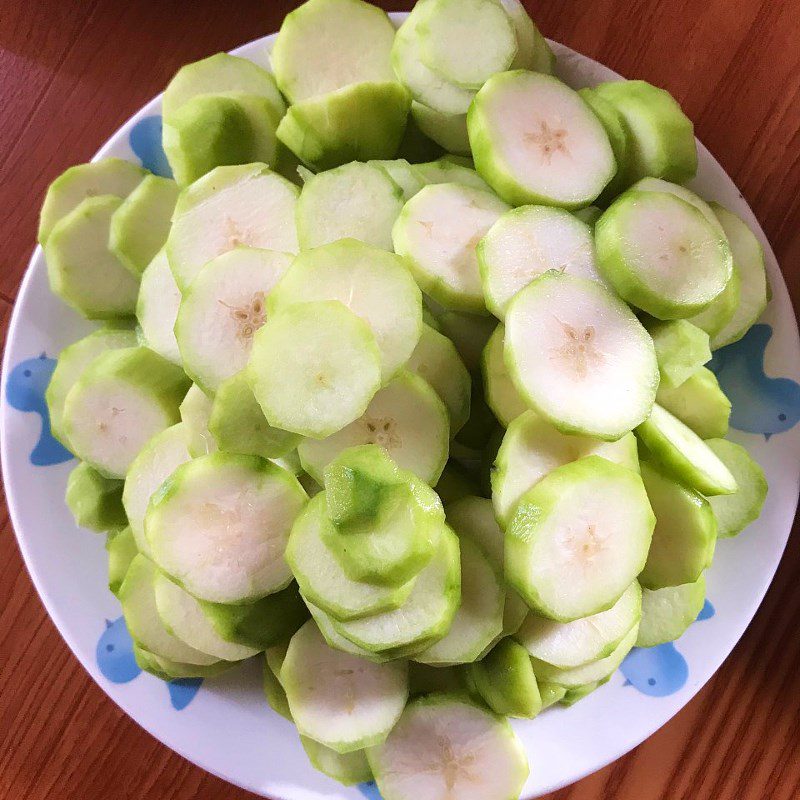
71, 71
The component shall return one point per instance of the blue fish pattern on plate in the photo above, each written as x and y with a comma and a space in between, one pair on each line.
117, 663
145, 141
25, 390
760, 404
661, 670
370, 790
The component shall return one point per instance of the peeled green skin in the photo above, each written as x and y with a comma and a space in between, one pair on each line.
652, 115
668, 612
681, 349
551, 693
700, 403
356, 123
448, 130
273, 691
505, 680
238, 424
260, 624
94, 500
736, 511
685, 533
630, 280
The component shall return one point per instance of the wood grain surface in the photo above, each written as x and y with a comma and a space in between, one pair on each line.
71, 71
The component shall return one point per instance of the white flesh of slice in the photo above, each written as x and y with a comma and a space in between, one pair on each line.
157, 308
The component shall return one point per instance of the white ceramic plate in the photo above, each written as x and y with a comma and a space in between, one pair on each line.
224, 725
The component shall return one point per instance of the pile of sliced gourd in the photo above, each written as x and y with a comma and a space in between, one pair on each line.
401, 382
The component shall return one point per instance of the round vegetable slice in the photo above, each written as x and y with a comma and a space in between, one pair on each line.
533, 52
321, 578
354, 201
372, 283
498, 388
681, 349
438, 232
335, 639
469, 333
314, 367
700, 403
157, 308
73, 361
154, 463
580, 357
571, 644
534, 140
220, 523
122, 399
579, 538
479, 619
734, 512
338, 699
684, 454
528, 241
668, 612
195, 411
661, 254
532, 448
121, 547
94, 500
506, 682
222, 309
685, 534
346, 768
436, 359
229, 207
447, 746
406, 418
447, 130
448, 169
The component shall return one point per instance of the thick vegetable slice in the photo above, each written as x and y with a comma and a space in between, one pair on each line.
681, 350
261, 624
166, 669
359, 122
438, 232
273, 691
195, 412
661, 254
121, 548
528, 241
82, 270
343, 701
72, 362
406, 418
506, 682
579, 538
467, 41
551, 693
321, 577
581, 677
231, 207
535, 141
580, 357
571, 644
685, 534
473, 518
660, 185
109, 176
736, 511
424, 617
748, 256
498, 388
436, 359
238, 424
222, 309
662, 136
314, 368
448, 169
154, 463
183, 616
325, 623
138, 599
469, 333
447, 130
325, 45
94, 500
423, 679
447, 746
700, 403
139, 227
354, 201
684, 454
373, 284
157, 308
479, 619
122, 399
668, 612
218, 74
533, 52
346, 768
220, 523
407, 176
